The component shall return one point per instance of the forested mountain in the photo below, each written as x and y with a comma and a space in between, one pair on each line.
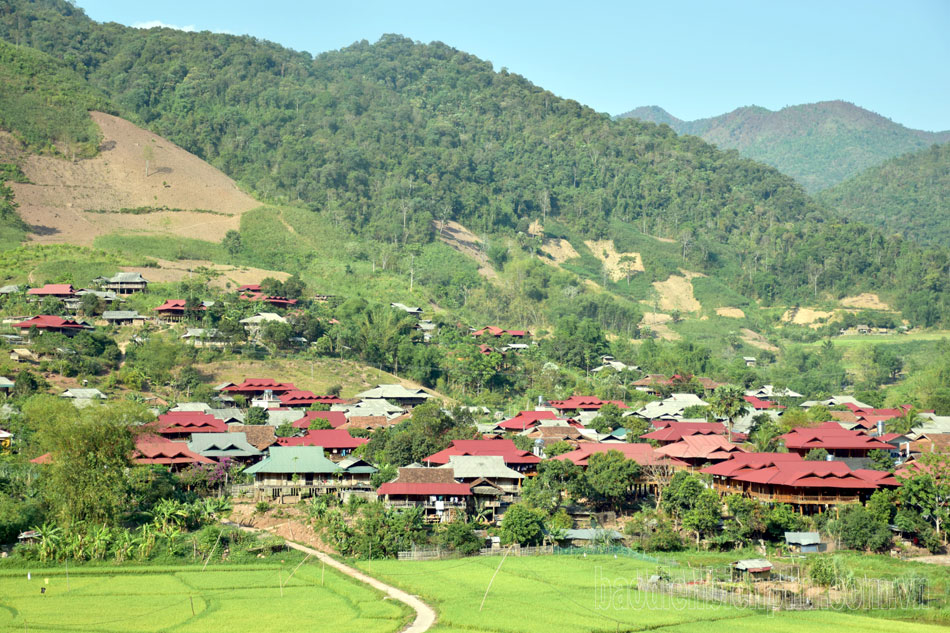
817, 144
909, 195
384, 138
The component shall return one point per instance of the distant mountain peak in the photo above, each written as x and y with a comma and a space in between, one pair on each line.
818, 144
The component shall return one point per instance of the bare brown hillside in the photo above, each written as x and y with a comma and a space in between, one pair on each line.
61, 192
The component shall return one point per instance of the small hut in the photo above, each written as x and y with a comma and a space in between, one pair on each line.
752, 568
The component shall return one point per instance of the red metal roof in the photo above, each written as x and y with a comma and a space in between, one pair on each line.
335, 418
327, 438
249, 287
504, 448
190, 422
643, 454
701, 447
798, 474
675, 431
588, 403
153, 449
831, 436
424, 489
260, 385
299, 397
497, 331
752, 461
49, 322
273, 300
53, 290
759, 404
527, 419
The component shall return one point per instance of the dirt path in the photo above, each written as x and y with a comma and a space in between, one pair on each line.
425, 615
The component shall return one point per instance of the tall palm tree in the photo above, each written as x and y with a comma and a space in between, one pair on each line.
728, 401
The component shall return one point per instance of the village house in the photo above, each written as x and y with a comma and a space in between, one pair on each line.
578, 404
369, 407
49, 323
122, 317
173, 310
289, 473
498, 332
837, 440
336, 443
153, 449
670, 409
301, 398
181, 424
697, 450
397, 394
83, 397
124, 283
272, 300
252, 387
769, 391
494, 486
522, 461
410, 310
787, 478
204, 337
673, 432
254, 324
433, 490
219, 446
57, 291
260, 436
335, 419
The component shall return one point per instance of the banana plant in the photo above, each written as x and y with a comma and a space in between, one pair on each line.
51, 539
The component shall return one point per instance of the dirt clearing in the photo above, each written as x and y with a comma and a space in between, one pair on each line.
619, 265
658, 323
172, 271
560, 250
676, 293
757, 340
61, 192
805, 316
732, 313
467, 243
865, 301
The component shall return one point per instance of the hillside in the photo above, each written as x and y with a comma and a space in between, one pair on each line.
909, 195
76, 201
817, 144
381, 142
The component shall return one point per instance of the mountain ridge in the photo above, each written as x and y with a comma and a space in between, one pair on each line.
819, 144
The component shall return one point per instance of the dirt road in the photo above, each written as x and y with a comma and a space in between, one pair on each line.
425, 615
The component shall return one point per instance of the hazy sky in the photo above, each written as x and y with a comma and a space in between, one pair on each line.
696, 59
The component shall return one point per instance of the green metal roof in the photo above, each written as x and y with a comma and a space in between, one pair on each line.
294, 459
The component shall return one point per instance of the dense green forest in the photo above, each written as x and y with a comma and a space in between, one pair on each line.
383, 139
817, 144
46, 103
909, 195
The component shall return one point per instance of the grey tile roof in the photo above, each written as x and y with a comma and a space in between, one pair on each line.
222, 445
294, 460
393, 391
83, 394
487, 466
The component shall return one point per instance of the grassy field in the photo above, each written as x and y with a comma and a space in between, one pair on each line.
189, 600
856, 340
554, 594
316, 375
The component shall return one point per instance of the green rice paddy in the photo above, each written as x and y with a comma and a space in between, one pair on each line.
571, 594
255, 599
